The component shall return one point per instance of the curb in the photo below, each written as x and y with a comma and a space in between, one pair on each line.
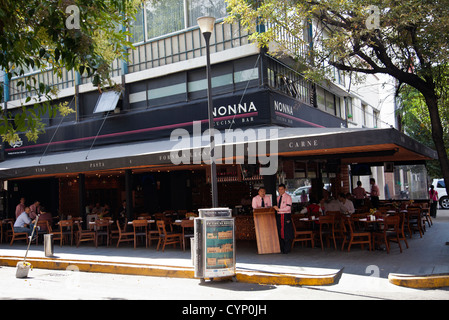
431, 281
258, 277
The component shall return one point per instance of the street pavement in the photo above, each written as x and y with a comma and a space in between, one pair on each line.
361, 274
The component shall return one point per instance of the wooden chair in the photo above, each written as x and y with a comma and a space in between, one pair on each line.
389, 231
425, 209
114, 230
166, 237
401, 230
84, 235
186, 224
17, 235
123, 235
354, 236
302, 235
65, 230
102, 230
43, 229
414, 221
140, 229
327, 230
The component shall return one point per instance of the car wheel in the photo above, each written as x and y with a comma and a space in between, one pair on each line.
444, 202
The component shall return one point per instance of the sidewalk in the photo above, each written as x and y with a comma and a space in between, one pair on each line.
427, 256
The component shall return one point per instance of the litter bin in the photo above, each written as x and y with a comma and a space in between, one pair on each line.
214, 244
48, 245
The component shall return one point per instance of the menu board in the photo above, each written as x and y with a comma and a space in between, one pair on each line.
219, 247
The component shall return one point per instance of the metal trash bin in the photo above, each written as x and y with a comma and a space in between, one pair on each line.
48, 245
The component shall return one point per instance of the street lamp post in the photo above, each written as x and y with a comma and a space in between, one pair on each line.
206, 25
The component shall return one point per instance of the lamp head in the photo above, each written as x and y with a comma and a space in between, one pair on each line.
206, 24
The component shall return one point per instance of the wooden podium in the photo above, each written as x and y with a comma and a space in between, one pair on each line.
266, 231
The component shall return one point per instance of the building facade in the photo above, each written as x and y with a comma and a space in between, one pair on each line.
116, 146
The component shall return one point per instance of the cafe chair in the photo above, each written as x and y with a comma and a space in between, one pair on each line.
64, 230
390, 231
84, 235
414, 221
186, 224
42, 227
302, 235
402, 236
102, 230
123, 235
17, 235
426, 214
354, 236
140, 229
327, 230
166, 237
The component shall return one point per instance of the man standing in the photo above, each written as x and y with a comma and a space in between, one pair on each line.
20, 207
359, 194
35, 209
374, 193
284, 219
261, 200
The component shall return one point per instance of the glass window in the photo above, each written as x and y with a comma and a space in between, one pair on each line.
349, 110
330, 102
136, 28
164, 17
200, 8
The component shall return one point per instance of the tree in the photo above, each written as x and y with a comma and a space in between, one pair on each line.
415, 120
81, 35
408, 40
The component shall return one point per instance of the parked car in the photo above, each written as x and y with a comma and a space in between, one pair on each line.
440, 187
296, 195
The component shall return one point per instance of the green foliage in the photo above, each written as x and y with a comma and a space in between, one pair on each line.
34, 35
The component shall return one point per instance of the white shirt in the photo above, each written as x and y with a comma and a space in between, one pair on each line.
348, 207
22, 220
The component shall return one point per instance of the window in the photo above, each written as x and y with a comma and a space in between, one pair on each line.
163, 17
364, 111
199, 8
137, 28
376, 119
349, 108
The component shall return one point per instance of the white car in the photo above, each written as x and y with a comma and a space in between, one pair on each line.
440, 187
296, 195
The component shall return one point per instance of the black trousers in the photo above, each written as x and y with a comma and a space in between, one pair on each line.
285, 231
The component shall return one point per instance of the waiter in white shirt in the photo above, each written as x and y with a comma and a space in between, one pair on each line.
284, 219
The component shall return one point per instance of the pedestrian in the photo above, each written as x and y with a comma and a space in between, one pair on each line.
284, 219
20, 207
374, 193
433, 196
261, 200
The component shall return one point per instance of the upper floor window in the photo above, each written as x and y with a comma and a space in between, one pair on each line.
161, 17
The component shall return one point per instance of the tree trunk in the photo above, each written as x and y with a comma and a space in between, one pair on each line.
437, 135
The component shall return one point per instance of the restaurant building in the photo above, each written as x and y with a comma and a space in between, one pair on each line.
124, 146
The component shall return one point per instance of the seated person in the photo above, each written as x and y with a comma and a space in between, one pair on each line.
24, 222
45, 216
347, 206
